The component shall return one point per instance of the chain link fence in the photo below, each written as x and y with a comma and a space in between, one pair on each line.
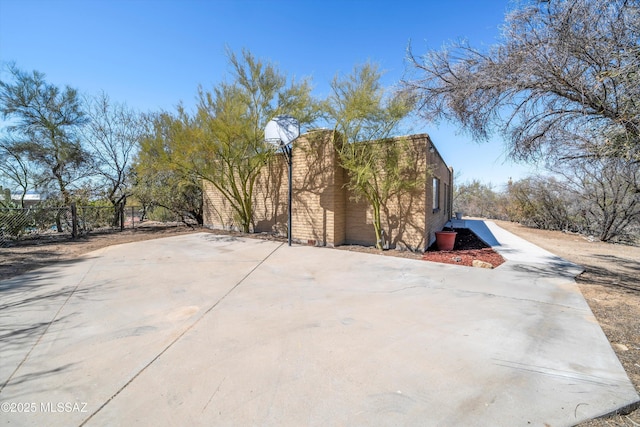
65, 222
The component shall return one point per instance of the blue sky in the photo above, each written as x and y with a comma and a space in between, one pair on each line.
152, 54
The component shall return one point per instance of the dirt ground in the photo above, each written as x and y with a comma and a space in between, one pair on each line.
610, 283
28, 254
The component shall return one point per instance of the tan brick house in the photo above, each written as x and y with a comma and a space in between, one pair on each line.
323, 210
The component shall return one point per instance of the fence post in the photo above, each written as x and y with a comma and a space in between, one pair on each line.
74, 221
133, 220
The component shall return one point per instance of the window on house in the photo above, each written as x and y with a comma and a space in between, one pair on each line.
436, 194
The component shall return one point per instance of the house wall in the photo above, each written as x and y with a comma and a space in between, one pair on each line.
324, 212
403, 217
436, 219
318, 194
216, 211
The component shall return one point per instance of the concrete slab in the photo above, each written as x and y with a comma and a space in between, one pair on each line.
211, 330
516, 249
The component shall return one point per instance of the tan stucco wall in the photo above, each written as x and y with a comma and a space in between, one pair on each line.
324, 212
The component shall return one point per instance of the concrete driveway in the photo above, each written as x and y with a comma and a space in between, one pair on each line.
208, 330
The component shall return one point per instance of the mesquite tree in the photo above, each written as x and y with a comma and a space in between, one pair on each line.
563, 80
606, 194
112, 136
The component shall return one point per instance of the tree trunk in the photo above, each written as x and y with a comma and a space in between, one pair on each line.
121, 212
377, 226
59, 228
116, 215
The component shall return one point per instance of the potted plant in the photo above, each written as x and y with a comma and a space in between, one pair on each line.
445, 240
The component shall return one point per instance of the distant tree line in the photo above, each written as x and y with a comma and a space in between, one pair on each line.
592, 201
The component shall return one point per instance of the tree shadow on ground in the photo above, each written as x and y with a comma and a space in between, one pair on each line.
624, 276
29, 308
20, 263
32, 376
555, 267
23, 267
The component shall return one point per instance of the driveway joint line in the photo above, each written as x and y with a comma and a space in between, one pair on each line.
179, 337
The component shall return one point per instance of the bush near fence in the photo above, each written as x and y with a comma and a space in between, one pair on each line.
34, 222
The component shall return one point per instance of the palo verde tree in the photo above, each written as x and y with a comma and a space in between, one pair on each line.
563, 81
223, 142
232, 119
43, 126
159, 178
366, 117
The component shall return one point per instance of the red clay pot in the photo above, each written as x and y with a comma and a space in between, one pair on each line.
445, 240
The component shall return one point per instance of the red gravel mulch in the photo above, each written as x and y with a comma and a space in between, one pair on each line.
467, 248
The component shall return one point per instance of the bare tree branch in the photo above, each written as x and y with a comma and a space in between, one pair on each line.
562, 63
